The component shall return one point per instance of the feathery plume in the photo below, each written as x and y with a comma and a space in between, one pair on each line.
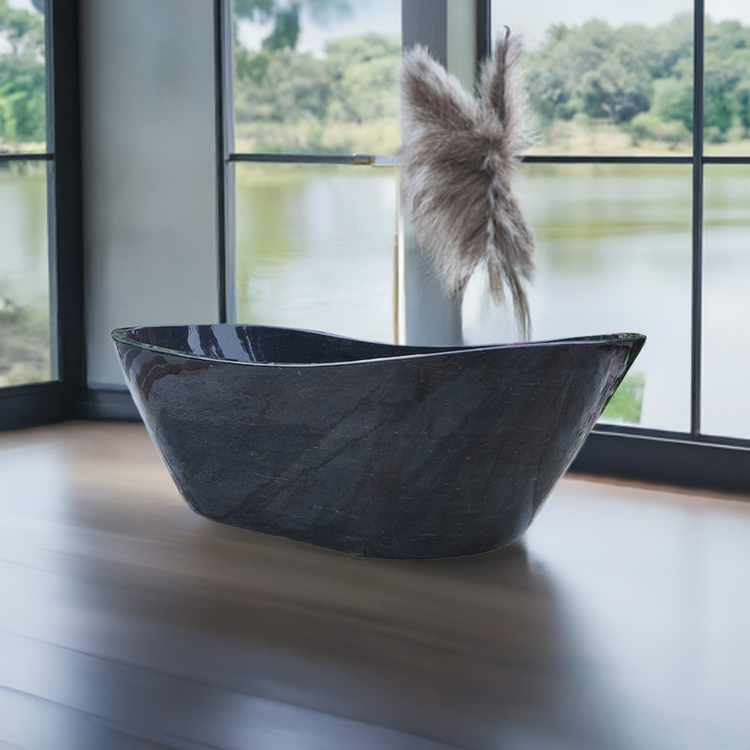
458, 158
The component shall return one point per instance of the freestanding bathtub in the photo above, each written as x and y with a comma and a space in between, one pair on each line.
371, 449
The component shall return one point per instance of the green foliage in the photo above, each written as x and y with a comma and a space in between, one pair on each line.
619, 75
727, 76
363, 71
634, 80
619, 88
355, 83
644, 126
294, 86
648, 126
22, 79
593, 69
251, 66
673, 100
285, 30
627, 403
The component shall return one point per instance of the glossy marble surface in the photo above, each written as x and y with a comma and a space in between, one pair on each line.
370, 449
619, 622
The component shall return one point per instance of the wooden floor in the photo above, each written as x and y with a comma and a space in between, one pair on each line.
126, 621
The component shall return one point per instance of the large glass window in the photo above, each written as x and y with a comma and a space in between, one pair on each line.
616, 186
315, 125
652, 240
24, 257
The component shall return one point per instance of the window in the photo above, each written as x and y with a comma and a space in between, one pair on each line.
637, 190
639, 225
25, 176
313, 126
41, 244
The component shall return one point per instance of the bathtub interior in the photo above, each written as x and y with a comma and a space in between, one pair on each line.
267, 345
270, 345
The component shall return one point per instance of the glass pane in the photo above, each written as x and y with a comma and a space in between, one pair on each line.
24, 275
22, 77
316, 76
606, 78
316, 248
726, 305
613, 255
726, 79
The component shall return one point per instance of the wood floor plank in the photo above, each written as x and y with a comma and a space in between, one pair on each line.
166, 711
32, 723
620, 621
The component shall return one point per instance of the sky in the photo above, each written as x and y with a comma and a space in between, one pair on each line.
530, 17
381, 16
20, 4
533, 17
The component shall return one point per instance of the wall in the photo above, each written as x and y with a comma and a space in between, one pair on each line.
148, 168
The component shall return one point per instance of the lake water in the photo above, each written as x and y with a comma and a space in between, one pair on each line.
24, 277
23, 236
316, 249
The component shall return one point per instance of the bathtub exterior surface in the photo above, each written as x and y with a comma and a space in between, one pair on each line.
369, 449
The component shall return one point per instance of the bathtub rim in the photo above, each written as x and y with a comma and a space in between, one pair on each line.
120, 335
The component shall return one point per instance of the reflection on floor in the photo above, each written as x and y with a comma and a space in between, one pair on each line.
621, 621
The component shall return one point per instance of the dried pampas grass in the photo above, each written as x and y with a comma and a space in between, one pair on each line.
459, 157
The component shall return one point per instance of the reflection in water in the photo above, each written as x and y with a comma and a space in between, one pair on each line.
615, 255
726, 341
315, 249
24, 276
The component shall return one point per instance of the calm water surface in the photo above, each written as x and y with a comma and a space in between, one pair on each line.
24, 277
315, 249
24, 269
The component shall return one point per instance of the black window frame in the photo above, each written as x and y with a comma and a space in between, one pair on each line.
672, 457
690, 458
56, 400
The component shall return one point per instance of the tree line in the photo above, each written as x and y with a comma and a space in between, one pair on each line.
22, 79
641, 79
634, 78
354, 83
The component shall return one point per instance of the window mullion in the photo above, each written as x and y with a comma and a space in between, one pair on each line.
697, 270
224, 170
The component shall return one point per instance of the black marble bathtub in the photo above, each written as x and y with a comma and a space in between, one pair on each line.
370, 449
